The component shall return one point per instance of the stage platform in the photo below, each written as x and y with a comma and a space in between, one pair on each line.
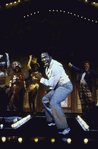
36, 131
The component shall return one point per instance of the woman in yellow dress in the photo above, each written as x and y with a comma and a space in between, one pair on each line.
33, 87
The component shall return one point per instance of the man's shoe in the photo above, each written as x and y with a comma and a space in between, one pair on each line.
51, 124
65, 131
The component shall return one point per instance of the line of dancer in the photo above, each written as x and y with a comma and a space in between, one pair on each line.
13, 91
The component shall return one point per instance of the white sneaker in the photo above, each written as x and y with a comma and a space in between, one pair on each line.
51, 124
65, 131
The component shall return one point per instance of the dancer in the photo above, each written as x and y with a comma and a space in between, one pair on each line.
4, 67
17, 88
84, 84
59, 87
33, 87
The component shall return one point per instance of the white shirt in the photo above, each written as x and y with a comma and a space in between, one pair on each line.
2, 74
56, 74
82, 78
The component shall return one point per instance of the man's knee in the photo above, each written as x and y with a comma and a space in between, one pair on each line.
45, 100
53, 102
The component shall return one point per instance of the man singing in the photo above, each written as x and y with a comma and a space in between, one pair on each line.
59, 87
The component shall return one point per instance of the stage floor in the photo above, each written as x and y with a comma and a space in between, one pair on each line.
36, 127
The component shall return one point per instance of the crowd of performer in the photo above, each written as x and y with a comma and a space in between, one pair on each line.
58, 87
12, 95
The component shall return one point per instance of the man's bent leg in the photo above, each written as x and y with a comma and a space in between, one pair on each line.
61, 93
47, 107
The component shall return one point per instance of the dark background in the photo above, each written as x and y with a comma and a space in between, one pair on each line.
66, 37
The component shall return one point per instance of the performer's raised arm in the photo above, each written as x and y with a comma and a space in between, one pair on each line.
29, 62
8, 61
74, 67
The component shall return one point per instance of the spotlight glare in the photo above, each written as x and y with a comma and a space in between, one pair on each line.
69, 140
86, 1
1, 126
93, 3
3, 139
52, 140
20, 140
85, 141
36, 140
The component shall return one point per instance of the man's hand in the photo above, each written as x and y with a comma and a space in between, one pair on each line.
38, 76
70, 64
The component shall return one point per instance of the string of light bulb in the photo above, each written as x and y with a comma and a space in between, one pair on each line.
63, 11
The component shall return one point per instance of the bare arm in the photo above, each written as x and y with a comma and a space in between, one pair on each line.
29, 62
